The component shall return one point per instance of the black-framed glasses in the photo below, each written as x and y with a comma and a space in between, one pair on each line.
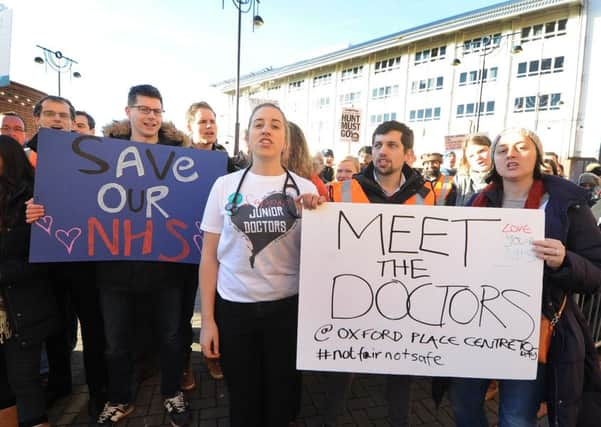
147, 110
9, 129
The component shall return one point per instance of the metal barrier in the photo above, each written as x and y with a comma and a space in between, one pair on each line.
590, 305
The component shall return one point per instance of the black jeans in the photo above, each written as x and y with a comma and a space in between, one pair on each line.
77, 295
20, 379
258, 355
118, 308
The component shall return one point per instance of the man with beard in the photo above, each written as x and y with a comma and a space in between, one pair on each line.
445, 191
387, 179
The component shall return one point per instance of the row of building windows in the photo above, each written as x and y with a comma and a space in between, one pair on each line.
484, 42
294, 86
474, 77
376, 119
323, 102
352, 73
426, 85
546, 30
542, 66
427, 55
385, 92
471, 109
424, 114
387, 65
350, 98
524, 104
324, 79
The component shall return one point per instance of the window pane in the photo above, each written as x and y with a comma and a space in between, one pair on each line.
490, 107
485, 74
545, 64
526, 32
558, 63
439, 81
460, 109
412, 115
467, 45
530, 103
462, 78
430, 83
496, 39
418, 56
550, 27
533, 66
420, 114
522, 66
426, 54
434, 52
543, 102
476, 43
442, 51
422, 84
561, 24
393, 116
518, 104
555, 100
473, 76
537, 30
428, 113
493, 73
469, 109
437, 113
374, 93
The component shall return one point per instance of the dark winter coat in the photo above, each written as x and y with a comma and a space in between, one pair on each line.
29, 301
573, 365
144, 276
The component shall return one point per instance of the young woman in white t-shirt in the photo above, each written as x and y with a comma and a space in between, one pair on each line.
249, 277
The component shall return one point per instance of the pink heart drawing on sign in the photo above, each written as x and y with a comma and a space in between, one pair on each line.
198, 241
45, 223
197, 224
68, 237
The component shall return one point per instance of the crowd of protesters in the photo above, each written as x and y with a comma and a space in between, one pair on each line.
249, 301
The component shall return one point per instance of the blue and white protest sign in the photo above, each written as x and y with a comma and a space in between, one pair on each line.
110, 199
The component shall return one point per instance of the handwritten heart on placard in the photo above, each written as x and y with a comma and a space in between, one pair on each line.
45, 223
265, 223
68, 237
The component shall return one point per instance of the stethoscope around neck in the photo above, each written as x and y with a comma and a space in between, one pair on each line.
233, 205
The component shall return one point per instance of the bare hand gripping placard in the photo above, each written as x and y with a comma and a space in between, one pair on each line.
420, 290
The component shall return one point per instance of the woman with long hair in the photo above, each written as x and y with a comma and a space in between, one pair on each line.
473, 168
298, 159
571, 252
249, 274
27, 309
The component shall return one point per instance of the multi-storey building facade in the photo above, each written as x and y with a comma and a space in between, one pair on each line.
525, 63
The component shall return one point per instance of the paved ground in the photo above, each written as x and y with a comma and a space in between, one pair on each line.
365, 406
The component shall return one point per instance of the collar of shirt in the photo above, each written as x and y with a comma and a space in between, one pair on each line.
403, 179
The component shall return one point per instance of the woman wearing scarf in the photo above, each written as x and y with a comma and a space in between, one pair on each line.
571, 252
27, 309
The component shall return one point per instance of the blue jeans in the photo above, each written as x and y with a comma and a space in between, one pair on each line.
118, 312
518, 401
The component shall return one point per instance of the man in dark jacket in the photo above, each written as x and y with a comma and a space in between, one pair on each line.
76, 293
123, 283
386, 179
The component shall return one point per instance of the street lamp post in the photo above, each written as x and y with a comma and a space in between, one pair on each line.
487, 50
58, 62
243, 6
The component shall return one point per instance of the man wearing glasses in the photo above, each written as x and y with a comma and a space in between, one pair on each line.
124, 284
13, 125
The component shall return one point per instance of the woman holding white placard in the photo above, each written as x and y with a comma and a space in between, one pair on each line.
571, 252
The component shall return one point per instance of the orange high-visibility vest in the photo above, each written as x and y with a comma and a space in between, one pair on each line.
442, 188
351, 191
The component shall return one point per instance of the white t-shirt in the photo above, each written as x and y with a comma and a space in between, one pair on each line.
259, 246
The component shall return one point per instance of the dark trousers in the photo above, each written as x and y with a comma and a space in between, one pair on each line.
118, 309
77, 296
258, 356
20, 379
